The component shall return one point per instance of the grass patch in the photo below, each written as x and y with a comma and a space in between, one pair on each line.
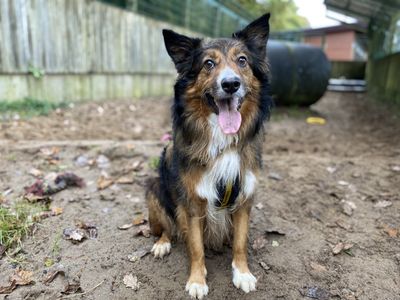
29, 107
154, 163
55, 249
16, 222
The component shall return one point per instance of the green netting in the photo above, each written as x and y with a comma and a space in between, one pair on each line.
210, 17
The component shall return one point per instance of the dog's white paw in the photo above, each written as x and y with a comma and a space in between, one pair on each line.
244, 281
159, 250
196, 290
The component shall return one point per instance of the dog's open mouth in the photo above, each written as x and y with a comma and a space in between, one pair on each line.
229, 117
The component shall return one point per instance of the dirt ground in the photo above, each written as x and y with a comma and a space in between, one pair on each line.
321, 185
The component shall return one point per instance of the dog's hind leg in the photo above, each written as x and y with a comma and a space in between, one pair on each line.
160, 223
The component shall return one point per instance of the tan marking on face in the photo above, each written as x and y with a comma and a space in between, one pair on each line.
197, 109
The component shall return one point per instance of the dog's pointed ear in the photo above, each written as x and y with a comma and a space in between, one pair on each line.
255, 35
180, 48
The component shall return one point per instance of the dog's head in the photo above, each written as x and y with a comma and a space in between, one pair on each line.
222, 73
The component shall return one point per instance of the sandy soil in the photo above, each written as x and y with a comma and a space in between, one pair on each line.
321, 185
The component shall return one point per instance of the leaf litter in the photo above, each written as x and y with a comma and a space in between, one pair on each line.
138, 254
61, 181
75, 235
19, 278
342, 247
132, 282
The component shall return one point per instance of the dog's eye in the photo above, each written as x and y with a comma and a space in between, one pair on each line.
209, 64
242, 61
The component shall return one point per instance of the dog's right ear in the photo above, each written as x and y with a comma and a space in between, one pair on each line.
180, 48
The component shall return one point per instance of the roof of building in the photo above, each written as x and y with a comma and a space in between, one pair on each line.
364, 10
357, 27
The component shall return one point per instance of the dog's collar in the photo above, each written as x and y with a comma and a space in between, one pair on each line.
227, 193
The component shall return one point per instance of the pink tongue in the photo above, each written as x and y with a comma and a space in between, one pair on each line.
229, 118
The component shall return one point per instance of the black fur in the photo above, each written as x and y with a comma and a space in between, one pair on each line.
186, 53
221, 188
167, 180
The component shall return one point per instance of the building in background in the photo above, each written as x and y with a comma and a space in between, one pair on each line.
383, 65
340, 43
345, 42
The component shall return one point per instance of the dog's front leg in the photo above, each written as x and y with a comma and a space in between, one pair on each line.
242, 278
196, 285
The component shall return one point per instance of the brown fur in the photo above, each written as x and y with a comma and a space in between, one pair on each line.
175, 207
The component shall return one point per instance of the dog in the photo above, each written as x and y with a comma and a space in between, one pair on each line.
208, 172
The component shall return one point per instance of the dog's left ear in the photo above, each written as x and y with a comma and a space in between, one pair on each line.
255, 35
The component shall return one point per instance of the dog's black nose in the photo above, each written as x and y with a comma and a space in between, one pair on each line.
230, 85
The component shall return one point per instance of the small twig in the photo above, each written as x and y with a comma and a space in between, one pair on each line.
84, 293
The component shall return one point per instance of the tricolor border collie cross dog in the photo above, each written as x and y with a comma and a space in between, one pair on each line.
207, 174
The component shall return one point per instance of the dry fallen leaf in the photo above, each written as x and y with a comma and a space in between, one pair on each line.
50, 151
392, 232
339, 247
55, 211
264, 266
126, 180
35, 172
139, 219
137, 165
143, 230
132, 282
72, 287
51, 275
317, 267
22, 277
125, 226
275, 243
138, 254
75, 235
348, 207
104, 182
34, 198
259, 243
275, 176
383, 204
7, 289
343, 224
315, 292
90, 228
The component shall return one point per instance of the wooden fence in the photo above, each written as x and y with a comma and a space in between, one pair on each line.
80, 50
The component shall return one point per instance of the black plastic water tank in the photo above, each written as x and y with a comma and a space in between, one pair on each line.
299, 72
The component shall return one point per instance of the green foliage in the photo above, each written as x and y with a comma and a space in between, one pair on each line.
29, 107
283, 13
16, 222
154, 163
36, 72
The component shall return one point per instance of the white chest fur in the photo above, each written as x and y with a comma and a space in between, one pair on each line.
225, 168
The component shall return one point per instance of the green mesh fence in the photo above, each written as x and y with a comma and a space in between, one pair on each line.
210, 17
